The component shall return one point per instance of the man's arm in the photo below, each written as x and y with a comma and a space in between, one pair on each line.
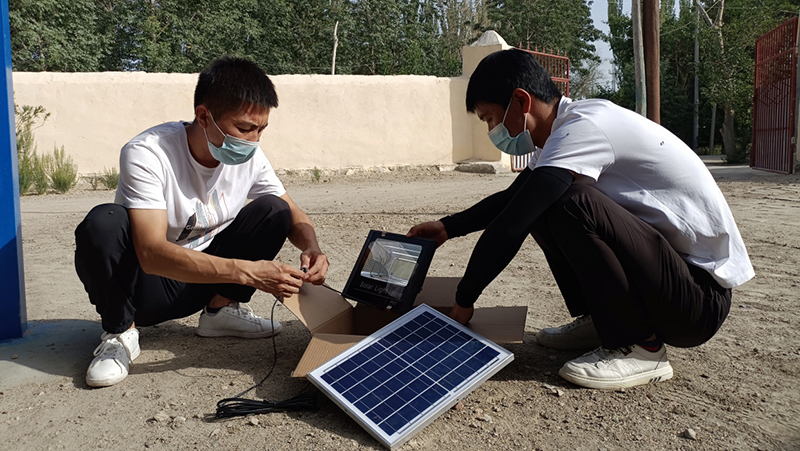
474, 218
303, 237
502, 239
480, 215
160, 257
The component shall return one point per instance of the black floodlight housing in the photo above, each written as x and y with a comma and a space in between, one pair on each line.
390, 270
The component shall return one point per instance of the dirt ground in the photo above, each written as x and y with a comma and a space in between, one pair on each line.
737, 392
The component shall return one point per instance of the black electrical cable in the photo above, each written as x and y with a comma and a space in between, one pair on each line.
238, 406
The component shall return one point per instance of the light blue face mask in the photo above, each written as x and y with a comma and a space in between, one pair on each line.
521, 144
234, 150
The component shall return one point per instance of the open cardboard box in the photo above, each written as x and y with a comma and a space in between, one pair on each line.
336, 325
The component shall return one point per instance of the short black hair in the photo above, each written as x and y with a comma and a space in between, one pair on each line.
500, 73
232, 84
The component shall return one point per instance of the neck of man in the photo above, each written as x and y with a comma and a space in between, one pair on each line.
198, 145
540, 120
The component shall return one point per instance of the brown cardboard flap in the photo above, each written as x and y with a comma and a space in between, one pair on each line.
315, 306
340, 324
368, 319
322, 348
438, 292
500, 324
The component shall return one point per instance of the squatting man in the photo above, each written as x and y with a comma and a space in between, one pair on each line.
180, 237
637, 234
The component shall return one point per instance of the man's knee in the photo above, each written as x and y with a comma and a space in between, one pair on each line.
103, 225
274, 209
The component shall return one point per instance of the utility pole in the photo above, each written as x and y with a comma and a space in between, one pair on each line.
651, 31
696, 113
638, 58
713, 124
335, 44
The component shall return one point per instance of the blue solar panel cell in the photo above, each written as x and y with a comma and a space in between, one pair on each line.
400, 378
383, 392
419, 385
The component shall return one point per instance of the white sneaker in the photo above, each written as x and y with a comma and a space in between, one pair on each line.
618, 368
579, 334
112, 358
236, 320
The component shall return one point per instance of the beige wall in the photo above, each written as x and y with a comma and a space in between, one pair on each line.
323, 121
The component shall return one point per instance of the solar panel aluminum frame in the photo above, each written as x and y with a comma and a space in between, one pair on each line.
436, 409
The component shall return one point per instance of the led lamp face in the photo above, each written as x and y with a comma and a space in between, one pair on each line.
404, 376
390, 271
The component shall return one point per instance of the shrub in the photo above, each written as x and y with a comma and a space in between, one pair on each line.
63, 172
39, 173
93, 180
110, 178
315, 174
26, 118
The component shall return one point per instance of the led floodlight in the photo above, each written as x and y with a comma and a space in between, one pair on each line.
390, 270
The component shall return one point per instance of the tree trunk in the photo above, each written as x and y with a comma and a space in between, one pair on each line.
728, 132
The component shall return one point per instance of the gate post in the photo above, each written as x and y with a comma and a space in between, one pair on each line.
13, 315
795, 137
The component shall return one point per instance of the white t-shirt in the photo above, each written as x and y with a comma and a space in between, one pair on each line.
650, 172
158, 172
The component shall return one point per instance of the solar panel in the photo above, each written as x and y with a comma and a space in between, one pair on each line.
401, 378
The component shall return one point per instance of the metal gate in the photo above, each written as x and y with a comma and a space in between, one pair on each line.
774, 100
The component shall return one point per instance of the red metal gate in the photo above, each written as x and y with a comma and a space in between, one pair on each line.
774, 100
558, 68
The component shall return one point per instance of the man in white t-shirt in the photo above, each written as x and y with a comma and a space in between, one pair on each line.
181, 236
638, 236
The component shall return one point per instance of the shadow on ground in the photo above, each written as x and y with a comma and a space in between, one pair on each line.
47, 351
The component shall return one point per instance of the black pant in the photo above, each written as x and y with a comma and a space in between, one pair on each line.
122, 293
614, 266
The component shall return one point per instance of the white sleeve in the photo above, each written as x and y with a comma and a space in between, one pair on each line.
578, 145
266, 182
141, 179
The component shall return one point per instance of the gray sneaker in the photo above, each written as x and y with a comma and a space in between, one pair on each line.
579, 334
612, 369
236, 320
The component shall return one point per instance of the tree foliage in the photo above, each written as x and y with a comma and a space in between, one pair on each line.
563, 25
283, 36
726, 75
55, 35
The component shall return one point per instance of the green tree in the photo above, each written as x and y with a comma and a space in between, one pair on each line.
728, 59
726, 62
283, 36
564, 25
620, 40
53, 35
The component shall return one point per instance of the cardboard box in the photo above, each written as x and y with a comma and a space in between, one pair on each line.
336, 325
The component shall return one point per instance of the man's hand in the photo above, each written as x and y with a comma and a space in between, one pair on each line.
276, 278
462, 314
316, 265
433, 230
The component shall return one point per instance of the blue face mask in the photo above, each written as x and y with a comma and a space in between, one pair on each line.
234, 150
521, 144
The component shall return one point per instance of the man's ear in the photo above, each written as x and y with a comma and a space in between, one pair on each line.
525, 100
202, 116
